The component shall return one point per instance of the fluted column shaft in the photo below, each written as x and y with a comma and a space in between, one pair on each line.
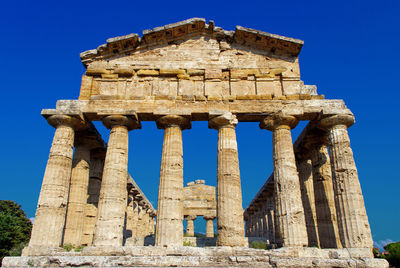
51, 210
113, 192
265, 222
289, 209
229, 193
260, 226
130, 218
140, 225
271, 220
324, 198
249, 225
170, 192
352, 218
190, 225
77, 196
209, 225
304, 167
97, 157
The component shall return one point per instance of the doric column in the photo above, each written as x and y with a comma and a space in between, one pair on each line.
97, 157
289, 210
135, 218
145, 222
248, 224
77, 195
209, 225
50, 214
255, 225
113, 192
170, 192
251, 225
229, 194
152, 215
190, 225
352, 218
324, 196
142, 219
130, 224
259, 224
271, 219
265, 221
304, 167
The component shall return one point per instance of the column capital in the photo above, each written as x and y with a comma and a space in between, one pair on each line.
334, 120
121, 120
279, 120
67, 120
190, 217
225, 120
209, 217
173, 120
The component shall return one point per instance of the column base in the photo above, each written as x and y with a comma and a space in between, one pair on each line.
200, 257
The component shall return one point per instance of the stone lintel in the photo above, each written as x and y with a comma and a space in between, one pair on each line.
245, 110
200, 211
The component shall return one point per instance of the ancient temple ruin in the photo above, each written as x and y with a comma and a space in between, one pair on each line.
310, 210
199, 200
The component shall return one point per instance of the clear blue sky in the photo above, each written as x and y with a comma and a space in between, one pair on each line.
350, 52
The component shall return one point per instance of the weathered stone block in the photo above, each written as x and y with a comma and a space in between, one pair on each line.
272, 87
147, 72
165, 87
293, 97
213, 74
109, 76
190, 87
220, 88
138, 89
124, 71
243, 87
304, 96
96, 71
195, 72
171, 72
291, 87
318, 97
86, 87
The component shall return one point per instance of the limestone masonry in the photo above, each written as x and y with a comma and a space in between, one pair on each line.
310, 211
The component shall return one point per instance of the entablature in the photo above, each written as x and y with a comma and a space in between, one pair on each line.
245, 110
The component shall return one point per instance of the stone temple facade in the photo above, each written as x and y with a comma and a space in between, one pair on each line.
310, 210
199, 200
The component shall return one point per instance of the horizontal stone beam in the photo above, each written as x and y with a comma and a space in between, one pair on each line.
245, 110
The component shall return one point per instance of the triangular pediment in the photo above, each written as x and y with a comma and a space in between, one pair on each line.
193, 59
193, 29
